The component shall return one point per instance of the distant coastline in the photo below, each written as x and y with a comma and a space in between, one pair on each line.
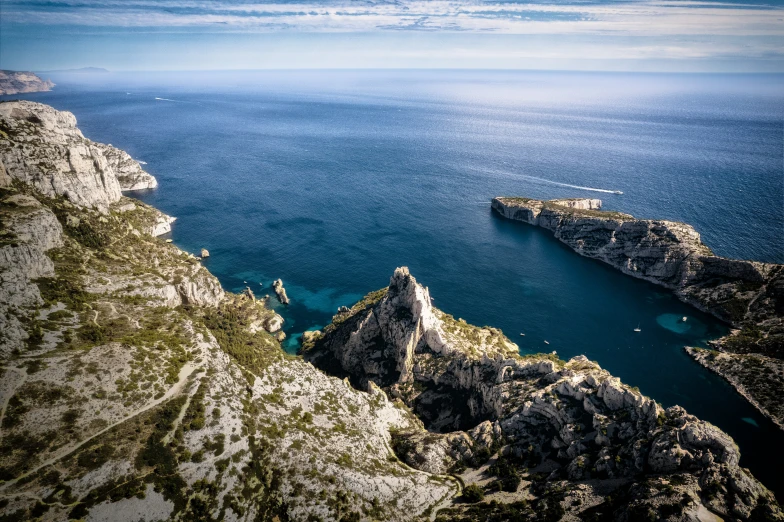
18, 82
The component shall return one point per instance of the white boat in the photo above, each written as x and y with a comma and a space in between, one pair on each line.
546, 342
522, 335
617, 192
684, 318
638, 329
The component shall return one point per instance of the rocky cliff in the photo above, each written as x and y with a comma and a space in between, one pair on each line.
43, 148
132, 387
16, 82
746, 294
544, 439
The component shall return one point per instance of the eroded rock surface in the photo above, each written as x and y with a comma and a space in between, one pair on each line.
747, 294
522, 425
133, 387
42, 147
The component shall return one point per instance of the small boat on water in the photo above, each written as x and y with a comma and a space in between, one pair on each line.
638, 329
684, 318
617, 192
546, 342
522, 335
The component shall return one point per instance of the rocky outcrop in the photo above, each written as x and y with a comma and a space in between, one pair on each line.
747, 294
162, 225
18, 82
129, 172
134, 386
42, 147
277, 286
514, 417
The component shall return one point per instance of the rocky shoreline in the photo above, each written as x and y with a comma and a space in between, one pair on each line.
739, 370
134, 386
748, 295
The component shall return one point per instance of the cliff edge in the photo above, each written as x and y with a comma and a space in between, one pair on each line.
748, 295
133, 387
542, 438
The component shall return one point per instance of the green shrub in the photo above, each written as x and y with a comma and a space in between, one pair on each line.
473, 494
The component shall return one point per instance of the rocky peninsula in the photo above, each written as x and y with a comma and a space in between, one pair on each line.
133, 387
544, 439
748, 295
17, 82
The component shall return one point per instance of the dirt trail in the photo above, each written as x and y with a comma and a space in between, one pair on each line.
187, 370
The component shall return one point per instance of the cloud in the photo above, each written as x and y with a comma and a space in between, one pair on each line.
648, 17
605, 34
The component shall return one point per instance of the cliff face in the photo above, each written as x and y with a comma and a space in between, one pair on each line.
42, 147
747, 294
16, 82
561, 435
134, 388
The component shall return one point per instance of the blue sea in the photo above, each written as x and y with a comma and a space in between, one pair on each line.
331, 179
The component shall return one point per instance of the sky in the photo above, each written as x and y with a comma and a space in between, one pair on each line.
167, 35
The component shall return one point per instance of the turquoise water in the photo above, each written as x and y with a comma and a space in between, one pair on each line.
330, 180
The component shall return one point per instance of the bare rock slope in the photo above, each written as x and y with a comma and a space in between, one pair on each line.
544, 438
132, 387
746, 294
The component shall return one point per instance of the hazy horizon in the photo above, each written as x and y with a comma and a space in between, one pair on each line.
597, 35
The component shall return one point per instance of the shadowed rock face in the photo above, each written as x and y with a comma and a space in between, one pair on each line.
570, 420
747, 294
667, 253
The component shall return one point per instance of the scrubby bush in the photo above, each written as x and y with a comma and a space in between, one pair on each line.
473, 494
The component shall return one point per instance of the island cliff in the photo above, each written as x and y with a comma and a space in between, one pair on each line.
135, 388
16, 82
746, 294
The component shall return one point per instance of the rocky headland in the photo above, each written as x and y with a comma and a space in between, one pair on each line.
133, 387
17, 82
748, 295
540, 438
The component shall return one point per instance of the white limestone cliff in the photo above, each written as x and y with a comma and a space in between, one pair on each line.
42, 147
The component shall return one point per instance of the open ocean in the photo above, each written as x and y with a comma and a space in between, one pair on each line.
331, 179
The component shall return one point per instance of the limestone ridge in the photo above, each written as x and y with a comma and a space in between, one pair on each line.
133, 387
747, 294
16, 82
559, 435
42, 147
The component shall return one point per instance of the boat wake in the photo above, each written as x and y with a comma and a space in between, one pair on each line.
165, 99
579, 187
